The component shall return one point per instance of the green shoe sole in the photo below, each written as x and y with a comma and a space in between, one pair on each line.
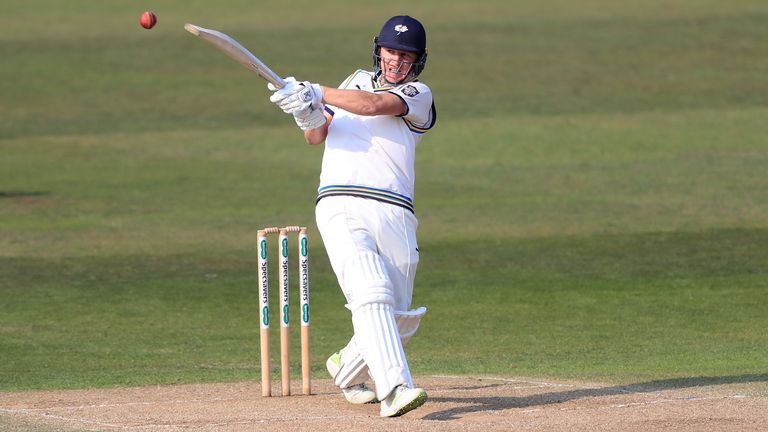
419, 401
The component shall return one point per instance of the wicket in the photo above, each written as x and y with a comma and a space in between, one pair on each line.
285, 373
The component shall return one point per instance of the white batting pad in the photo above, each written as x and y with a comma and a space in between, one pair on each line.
366, 281
354, 370
379, 344
408, 322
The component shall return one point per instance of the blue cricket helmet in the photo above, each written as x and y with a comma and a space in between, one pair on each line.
402, 33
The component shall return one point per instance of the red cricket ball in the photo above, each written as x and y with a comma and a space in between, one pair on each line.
148, 20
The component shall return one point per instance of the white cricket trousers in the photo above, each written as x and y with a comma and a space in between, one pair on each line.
373, 251
353, 226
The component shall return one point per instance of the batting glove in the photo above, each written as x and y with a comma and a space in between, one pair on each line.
307, 95
290, 88
310, 118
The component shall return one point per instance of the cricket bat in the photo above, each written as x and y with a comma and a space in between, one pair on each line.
238, 52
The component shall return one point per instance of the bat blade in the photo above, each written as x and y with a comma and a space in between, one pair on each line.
236, 51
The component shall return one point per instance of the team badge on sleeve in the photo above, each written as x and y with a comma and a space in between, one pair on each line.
410, 91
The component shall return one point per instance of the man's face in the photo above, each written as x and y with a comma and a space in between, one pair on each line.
396, 64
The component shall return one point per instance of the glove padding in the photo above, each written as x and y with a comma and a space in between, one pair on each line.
297, 96
310, 118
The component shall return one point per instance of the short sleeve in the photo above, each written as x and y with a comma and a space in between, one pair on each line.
418, 97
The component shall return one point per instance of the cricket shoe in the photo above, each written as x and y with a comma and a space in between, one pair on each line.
401, 400
357, 394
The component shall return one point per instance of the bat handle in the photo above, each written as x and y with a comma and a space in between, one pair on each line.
277, 81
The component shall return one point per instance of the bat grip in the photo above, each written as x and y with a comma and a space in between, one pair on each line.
277, 81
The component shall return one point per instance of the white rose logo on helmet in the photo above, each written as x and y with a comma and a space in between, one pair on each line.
400, 28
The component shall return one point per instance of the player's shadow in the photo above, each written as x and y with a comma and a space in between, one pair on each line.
498, 403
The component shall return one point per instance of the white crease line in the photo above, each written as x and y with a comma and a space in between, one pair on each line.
538, 383
157, 402
153, 426
680, 399
81, 407
57, 417
636, 404
254, 421
480, 389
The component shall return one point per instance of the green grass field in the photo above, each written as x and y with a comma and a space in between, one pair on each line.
593, 201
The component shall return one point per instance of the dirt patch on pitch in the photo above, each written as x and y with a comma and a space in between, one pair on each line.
738, 403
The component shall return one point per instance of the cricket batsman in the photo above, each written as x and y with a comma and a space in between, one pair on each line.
371, 125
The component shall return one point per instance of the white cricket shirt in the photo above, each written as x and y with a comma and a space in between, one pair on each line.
374, 156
